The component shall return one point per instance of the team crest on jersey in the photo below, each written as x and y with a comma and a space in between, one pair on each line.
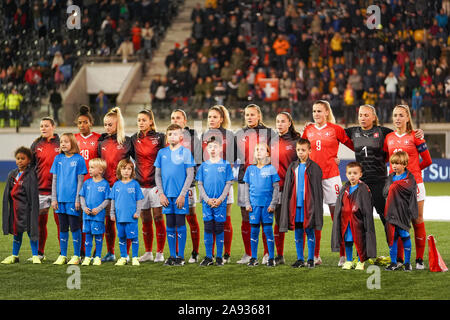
376, 135
289, 147
221, 169
101, 189
154, 141
131, 190
265, 173
73, 163
119, 147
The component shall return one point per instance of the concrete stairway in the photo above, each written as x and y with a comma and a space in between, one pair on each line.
179, 30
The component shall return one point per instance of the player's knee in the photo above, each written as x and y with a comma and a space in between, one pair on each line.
209, 226
298, 225
219, 227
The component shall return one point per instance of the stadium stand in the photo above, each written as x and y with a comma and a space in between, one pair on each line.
314, 50
37, 53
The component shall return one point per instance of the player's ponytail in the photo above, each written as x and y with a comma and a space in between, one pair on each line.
120, 132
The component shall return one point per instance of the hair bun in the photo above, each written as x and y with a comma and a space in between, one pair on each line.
84, 110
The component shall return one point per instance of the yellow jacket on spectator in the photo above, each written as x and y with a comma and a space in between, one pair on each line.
2, 101
13, 101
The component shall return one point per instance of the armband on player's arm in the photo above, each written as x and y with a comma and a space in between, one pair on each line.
425, 155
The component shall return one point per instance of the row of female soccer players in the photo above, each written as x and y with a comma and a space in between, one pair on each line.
370, 141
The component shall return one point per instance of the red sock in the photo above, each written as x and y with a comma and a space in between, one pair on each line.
245, 231
42, 230
420, 238
318, 235
160, 227
147, 234
228, 235
214, 243
110, 234
195, 231
264, 240
400, 249
128, 246
279, 240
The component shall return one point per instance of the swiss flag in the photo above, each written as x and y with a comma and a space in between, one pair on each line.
270, 87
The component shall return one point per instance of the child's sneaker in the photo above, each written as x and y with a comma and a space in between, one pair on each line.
419, 264
10, 260
206, 262
347, 265
271, 263
74, 260
253, 262
194, 257
60, 261
310, 264
109, 257
341, 262
97, 261
226, 258
298, 264
159, 257
391, 267
40, 256
219, 262
170, 261
359, 265
265, 259
121, 262
148, 256
135, 261
244, 260
179, 262
36, 260
86, 261
407, 267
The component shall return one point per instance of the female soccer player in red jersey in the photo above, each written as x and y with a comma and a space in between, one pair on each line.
113, 146
146, 144
325, 136
404, 139
86, 138
44, 149
192, 142
253, 132
285, 151
218, 123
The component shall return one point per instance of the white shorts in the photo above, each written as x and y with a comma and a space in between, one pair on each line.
331, 188
230, 197
45, 201
192, 192
151, 198
421, 193
241, 197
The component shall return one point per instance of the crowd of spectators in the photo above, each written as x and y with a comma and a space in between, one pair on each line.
38, 52
316, 50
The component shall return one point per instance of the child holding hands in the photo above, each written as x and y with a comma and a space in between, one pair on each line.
126, 203
94, 198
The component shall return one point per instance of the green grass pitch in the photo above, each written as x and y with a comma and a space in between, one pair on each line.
231, 282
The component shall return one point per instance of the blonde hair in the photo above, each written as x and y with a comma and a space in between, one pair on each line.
122, 164
223, 113
73, 142
376, 122
120, 131
326, 104
399, 157
258, 109
267, 159
98, 163
409, 124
